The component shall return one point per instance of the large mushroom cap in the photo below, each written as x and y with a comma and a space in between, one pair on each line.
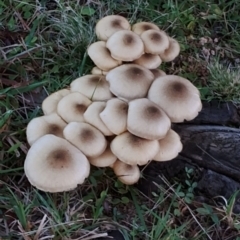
134, 150
158, 73
177, 96
50, 103
40, 126
86, 138
171, 52
115, 115
108, 25
149, 61
130, 81
94, 87
127, 174
54, 165
155, 42
72, 107
141, 27
170, 147
147, 120
101, 56
125, 45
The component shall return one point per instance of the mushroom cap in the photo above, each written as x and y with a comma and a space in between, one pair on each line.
114, 115
171, 52
98, 71
49, 105
134, 150
177, 96
72, 107
149, 61
155, 42
127, 174
106, 159
40, 126
147, 120
125, 45
170, 147
101, 56
130, 81
141, 27
158, 73
53, 164
92, 117
108, 25
86, 138
94, 87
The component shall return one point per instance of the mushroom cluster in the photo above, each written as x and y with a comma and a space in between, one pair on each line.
118, 116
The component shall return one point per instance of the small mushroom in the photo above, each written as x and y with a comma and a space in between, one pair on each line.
149, 61
98, 71
158, 73
141, 27
134, 150
127, 174
171, 52
108, 25
125, 45
53, 164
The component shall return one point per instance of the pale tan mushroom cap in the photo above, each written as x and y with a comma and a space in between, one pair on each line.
155, 42
72, 107
125, 45
134, 150
50, 103
171, 52
101, 56
149, 61
40, 126
127, 174
130, 81
170, 147
108, 25
54, 165
86, 138
177, 96
94, 87
147, 120
158, 73
98, 71
141, 27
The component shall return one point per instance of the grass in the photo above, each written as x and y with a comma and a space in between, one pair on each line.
42, 49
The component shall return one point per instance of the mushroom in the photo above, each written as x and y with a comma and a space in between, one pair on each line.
72, 107
170, 147
86, 138
171, 52
114, 115
53, 164
130, 81
125, 45
141, 27
149, 61
158, 73
98, 71
155, 42
134, 150
101, 56
108, 25
147, 120
177, 96
94, 87
40, 126
127, 174
92, 117
50, 103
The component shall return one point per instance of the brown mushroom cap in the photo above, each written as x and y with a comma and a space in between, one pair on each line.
155, 42
127, 174
53, 164
108, 25
72, 107
149, 61
147, 120
177, 96
130, 81
134, 150
40, 126
94, 87
158, 73
171, 52
125, 45
141, 27
101, 56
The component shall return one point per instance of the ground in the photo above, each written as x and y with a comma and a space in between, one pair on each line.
42, 49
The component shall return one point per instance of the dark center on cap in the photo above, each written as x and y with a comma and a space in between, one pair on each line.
146, 27
134, 72
97, 81
135, 141
80, 108
152, 112
148, 55
54, 129
59, 158
155, 37
87, 135
128, 39
123, 108
177, 90
116, 23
